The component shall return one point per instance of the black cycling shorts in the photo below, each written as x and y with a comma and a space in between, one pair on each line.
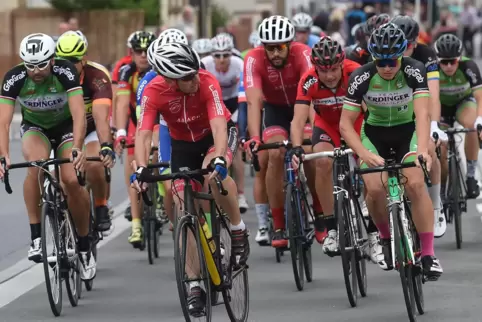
277, 120
231, 104
449, 114
57, 135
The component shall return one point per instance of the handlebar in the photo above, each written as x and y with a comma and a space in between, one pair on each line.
398, 166
183, 175
271, 146
336, 153
452, 131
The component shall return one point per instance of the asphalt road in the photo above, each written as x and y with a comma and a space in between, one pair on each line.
127, 288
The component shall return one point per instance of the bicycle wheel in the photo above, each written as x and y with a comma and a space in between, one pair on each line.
454, 183
155, 225
309, 234
149, 231
295, 235
73, 283
348, 258
361, 263
187, 233
51, 258
404, 268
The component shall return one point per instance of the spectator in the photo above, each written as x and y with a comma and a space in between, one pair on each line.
187, 25
264, 14
63, 27
73, 23
354, 16
446, 25
470, 21
334, 31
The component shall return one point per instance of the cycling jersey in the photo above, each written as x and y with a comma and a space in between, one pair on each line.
359, 54
187, 116
389, 102
126, 60
427, 56
129, 79
327, 103
454, 89
229, 80
45, 104
279, 85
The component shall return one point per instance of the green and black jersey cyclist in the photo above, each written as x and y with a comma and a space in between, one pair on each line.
49, 93
427, 56
461, 96
395, 91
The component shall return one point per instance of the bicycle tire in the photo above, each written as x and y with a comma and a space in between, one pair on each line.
147, 222
307, 257
89, 284
348, 259
49, 221
404, 271
361, 266
70, 242
156, 227
183, 227
294, 228
454, 183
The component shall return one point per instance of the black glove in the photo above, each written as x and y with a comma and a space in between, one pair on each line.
298, 151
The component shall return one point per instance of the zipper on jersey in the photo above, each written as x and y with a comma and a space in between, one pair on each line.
390, 108
284, 91
185, 118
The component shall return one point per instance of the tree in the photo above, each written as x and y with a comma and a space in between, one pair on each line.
219, 17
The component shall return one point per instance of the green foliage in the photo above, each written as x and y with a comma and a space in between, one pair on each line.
150, 7
219, 17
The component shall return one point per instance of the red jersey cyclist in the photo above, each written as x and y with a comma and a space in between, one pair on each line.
202, 134
271, 75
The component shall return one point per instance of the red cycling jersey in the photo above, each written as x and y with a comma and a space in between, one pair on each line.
126, 60
278, 85
187, 115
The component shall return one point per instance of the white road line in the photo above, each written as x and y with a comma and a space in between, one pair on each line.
23, 276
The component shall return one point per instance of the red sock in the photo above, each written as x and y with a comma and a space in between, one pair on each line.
426, 241
278, 218
384, 229
316, 205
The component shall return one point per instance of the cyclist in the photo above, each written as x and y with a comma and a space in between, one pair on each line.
253, 41
203, 47
303, 23
360, 53
460, 84
324, 86
97, 88
427, 56
130, 76
49, 93
126, 60
227, 68
271, 76
189, 101
395, 91
164, 142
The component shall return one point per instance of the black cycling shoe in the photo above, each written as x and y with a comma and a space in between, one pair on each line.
473, 189
127, 213
102, 218
240, 246
196, 302
431, 268
386, 264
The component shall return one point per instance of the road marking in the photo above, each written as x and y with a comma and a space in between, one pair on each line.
23, 276
479, 207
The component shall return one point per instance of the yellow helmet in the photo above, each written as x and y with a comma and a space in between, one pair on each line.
71, 44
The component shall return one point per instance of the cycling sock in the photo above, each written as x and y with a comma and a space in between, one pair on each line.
262, 213
372, 228
99, 202
240, 226
434, 192
384, 230
316, 205
35, 231
330, 222
471, 166
426, 241
84, 244
278, 218
136, 223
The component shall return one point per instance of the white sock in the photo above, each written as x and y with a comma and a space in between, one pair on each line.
262, 213
240, 226
434, 192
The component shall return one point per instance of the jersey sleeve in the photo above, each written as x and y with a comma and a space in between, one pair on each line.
116, 71
416, 76
68, 77
142, 85
149, 108
303, 95
214, 104
472, 72
252, 73
13, 82
124, 84
358, 86
431, 65
304, 59
101, 87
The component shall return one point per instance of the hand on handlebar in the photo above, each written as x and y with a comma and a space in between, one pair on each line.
120, 140
136, 180
78, 159
4, 164
296, 156
438, 133
252, 145
426, 158
478, 126
371, 159
107, 155
220, 167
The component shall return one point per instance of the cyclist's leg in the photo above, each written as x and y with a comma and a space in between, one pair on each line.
446, 121
96, 177
77, 199
310, 170
35, 146
440, 225
165, 156
277, 124
136, 237
421, 207
261, 197
466, 115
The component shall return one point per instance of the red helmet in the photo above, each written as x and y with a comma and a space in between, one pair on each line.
327, 53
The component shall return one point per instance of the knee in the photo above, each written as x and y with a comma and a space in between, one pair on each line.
70, 182
376, 192
415, 187
276, 158
324, 166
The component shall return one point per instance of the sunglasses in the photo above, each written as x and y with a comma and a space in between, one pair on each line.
221, 55
451, 61
140, 51
272, 48
188, 78
39, 66
386, 62
73, 60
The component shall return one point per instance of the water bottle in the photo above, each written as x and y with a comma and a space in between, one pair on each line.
208, 235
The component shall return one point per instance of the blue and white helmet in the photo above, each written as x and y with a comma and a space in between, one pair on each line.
202, 46
222, 42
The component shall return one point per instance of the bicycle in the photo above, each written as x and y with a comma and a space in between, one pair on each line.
64, 259
218, 267
455, 202
405, 243
350, 221
297, 215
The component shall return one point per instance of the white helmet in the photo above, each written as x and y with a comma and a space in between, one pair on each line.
222, 42
202, 46
36, 48
173, 35
175, 60
302, 21
276, 29
152, 50
254, 39
130, 38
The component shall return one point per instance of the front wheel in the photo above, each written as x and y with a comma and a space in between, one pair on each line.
454, 184
295, 235
73, 283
